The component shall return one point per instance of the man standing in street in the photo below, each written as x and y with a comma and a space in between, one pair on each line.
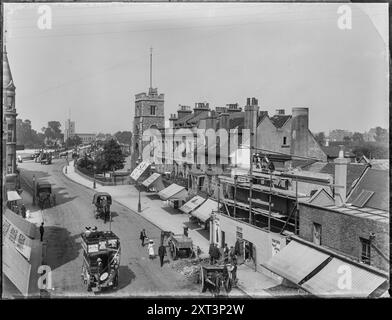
41, 231
161, 253
23, 210
143, 236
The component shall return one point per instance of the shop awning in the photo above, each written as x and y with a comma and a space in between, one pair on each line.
338, 273
13, 196
173, 192
295, 261
139, 170
203, 213
151, 179
192, 204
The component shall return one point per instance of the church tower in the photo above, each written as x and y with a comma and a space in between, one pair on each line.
149, 113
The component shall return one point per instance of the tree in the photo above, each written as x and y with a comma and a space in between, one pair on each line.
346, 139
73, 141
357, 137
124, 137
381, 135
111, 157
320, 138
371, 150
53, 133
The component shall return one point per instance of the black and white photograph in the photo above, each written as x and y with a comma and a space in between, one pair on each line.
195, 150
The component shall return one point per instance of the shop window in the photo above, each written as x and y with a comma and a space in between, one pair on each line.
365, 250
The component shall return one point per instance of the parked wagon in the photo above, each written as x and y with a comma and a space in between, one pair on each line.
181, 246
46, 198
215, 278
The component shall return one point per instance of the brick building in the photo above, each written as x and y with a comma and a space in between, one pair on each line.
354, 223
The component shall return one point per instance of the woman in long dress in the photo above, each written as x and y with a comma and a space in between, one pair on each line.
151, 252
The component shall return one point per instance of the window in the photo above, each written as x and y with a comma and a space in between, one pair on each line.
152, 110
365, 250
316, 233
284, 140
10, 102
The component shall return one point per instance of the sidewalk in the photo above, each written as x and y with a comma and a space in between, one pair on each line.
251, 282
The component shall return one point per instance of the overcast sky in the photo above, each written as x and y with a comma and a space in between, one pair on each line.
96, 58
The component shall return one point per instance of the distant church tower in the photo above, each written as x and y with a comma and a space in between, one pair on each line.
149, 112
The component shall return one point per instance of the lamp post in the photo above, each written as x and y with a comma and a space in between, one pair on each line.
139, 205
94, 184
33, 190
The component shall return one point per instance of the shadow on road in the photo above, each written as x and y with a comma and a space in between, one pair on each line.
153, 196
126, 277
61, 247
62, 196
171, 210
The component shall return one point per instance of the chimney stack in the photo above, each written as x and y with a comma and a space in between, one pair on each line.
341, 178
172, 119
183, 111
280, 112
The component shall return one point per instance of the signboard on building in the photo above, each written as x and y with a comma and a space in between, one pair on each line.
139, 170
239, 233
17, 238
275, 246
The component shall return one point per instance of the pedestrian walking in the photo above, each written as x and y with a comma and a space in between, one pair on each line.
23, 210
226, 253
41, 231
211, 253
143, 236
151, 252
231, 254
161, 253
198, 252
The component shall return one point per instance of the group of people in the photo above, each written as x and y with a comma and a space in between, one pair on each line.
229, 259
150, 247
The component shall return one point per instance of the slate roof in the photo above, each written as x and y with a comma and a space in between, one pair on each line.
354, 171
279, 120
377, 181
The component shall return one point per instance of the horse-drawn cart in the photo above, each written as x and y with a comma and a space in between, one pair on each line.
102, 202
46, 198
215, 278
180, 246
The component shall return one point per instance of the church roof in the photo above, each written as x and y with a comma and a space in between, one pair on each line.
7, 76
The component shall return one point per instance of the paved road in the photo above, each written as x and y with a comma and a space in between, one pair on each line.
139, 276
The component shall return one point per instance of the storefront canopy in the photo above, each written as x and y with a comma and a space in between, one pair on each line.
203, 213
192, 204
139, 170
339, 278
13, 196
323, 273
173, 192
151, 179
295, 261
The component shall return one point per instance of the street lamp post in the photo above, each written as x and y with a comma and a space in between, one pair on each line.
139, 205
34, 190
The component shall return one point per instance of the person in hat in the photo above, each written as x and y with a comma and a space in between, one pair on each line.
41, 231
23, 210
143, 236
151, 252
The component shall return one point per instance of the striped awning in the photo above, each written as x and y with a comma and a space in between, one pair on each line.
339, 278
192, 204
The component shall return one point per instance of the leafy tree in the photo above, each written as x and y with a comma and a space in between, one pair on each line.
53, 133
124, 137
111, 157
381, 135
73, 141
346, 139
371, 150
320, 138
357, 137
